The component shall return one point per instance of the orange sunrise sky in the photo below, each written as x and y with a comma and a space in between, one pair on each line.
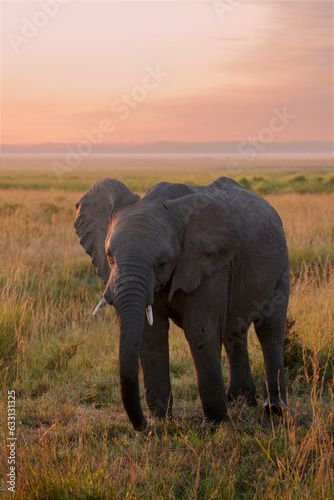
165, 70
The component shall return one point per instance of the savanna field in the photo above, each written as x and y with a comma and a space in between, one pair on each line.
74, 440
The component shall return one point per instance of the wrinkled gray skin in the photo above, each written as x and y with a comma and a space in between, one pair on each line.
211, 258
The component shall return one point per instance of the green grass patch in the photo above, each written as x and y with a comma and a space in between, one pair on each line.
265, 181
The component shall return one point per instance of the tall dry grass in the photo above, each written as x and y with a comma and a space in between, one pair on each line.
308, 225
74, 440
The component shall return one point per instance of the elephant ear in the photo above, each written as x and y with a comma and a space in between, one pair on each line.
210, 240
95, 210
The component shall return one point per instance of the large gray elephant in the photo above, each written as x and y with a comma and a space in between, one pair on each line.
211, 258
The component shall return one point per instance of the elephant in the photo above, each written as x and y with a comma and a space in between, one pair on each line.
213, 259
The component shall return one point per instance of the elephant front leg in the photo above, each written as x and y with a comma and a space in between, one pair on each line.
154, 362
206, 354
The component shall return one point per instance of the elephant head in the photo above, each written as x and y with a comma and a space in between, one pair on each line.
140, 246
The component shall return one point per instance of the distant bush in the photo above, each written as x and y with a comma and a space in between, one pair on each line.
245, 183
189, 182
330, 182
298, 178
266, 186
300, 183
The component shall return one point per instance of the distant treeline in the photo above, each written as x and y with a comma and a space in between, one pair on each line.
268, 183
299, 183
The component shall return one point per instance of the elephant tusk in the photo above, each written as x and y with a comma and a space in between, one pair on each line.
149, 314
99, 306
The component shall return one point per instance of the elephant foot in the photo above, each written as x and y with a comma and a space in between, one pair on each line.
141, 426
163, 418
209, 427
276, 406
214, 421
212, 425
161, 415
160, 408
247, 394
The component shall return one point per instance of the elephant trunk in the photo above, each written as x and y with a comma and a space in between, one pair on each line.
130, 306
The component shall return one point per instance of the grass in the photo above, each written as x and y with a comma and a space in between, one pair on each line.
140, 174
74, 440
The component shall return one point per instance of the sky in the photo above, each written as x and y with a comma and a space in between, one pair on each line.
123, 72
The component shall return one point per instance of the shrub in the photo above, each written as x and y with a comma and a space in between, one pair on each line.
245, 183
298, 178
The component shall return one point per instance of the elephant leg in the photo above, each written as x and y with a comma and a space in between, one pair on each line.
270, 329
241, 382
154, 362
206, 354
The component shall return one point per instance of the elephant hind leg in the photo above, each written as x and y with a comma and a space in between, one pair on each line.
241, 382
270, 331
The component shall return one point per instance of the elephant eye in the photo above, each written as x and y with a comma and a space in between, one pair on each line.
161, 266
110, 259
